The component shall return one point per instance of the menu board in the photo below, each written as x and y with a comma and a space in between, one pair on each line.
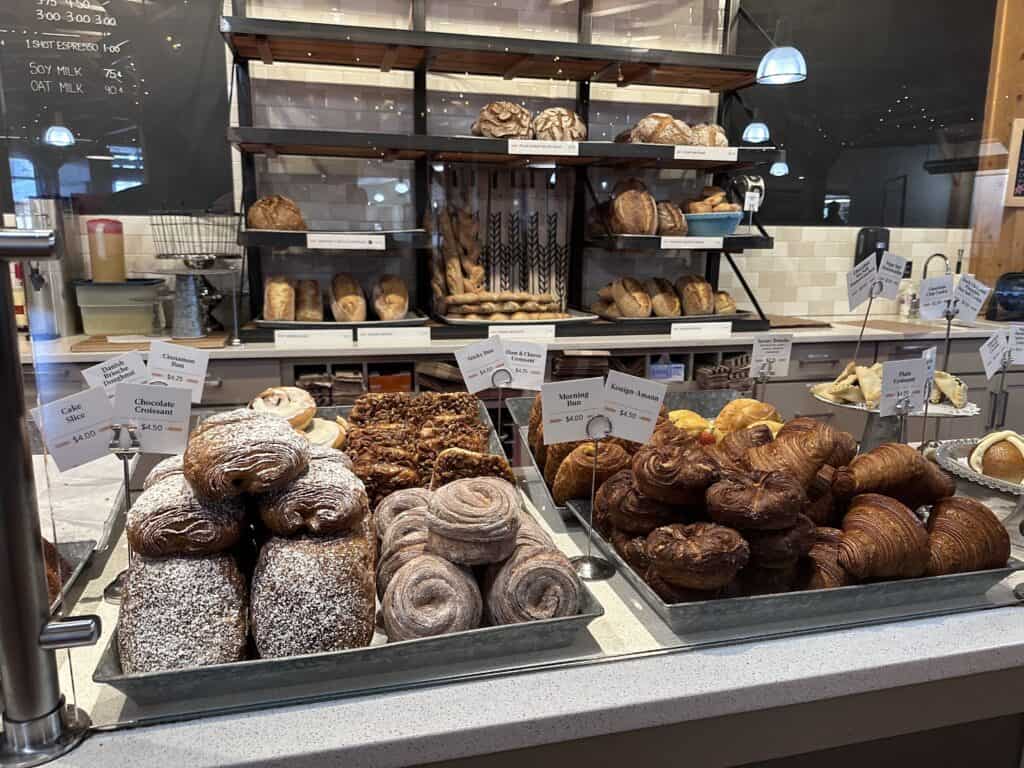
118, 103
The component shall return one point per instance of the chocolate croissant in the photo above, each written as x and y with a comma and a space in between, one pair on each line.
579, 471
674, 475
731, 452
882, 540
761, 501
964, 535
781, 549
698, 556
326, 500
844, 444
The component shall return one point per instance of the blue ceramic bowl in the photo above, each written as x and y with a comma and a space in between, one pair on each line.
713, 224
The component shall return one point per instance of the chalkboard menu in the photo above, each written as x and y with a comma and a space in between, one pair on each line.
118, 103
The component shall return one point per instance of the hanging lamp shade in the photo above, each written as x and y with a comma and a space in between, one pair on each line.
782, 65
756, 133
59, 136
779, 169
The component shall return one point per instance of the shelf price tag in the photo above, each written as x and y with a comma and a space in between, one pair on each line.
902, 386
683, 242
632, 405
993, 352
539, 331
770, 356
128, 368
313, 339
890, 273
391, 337
543, 147
179, 366
969, 296
568, 406
751, 201
713, 154
527, 362
935, 294
76, 429
668, 371
859, 282
929, 356
1017, 344
345, 241
683, 331
479, 361
160, 414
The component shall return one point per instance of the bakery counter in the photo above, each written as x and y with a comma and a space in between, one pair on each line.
631, 678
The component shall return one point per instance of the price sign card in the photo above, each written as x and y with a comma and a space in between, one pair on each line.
178, 366
160, 415
393, 337
718, 154
128, 368
345, 241
685, 242
935, 295
543, 147
76, 429
1017, 344
859, 282
568, 406
890, 273
751, 201
969, 296
770, 356
929, 366
902, 382
682, 331
479, 361
632, 404
539, 331
526, 361
297, 339
668, 371
993, 352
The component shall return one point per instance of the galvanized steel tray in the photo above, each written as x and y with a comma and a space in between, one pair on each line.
741, 618
412, 317
575, 316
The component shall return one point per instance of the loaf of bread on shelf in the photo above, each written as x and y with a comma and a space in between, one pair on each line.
390, 297
634, 212
559, 124
504, 120
697, 295
630, 297
309, 303
664, 299
724, 303
710, 135
279, 298
348, 305
661, 128
275, 212
671, 220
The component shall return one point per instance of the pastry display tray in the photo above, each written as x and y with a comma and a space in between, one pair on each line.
953, 455
575, 316
740, 314
412, 318
940, 411
787, 613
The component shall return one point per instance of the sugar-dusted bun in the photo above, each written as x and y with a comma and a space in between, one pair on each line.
172, 465
169, 519
474, 521
430, 596
326, 500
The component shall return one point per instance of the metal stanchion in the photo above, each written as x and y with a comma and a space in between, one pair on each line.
500, 379
590, 567
114, 590
876, 290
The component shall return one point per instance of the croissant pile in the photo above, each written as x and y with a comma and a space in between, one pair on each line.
749, 504
863, 384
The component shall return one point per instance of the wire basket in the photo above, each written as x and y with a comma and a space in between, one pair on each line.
181, 235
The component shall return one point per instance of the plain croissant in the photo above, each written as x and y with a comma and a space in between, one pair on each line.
882, 540
896, 470
801, 454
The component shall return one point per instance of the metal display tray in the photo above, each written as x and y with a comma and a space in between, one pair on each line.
952, 456
739, 314
575, 316
935, 410
412, 318
787, 613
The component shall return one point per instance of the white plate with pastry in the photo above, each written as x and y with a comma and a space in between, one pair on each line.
995, 461
859, 387
940, 410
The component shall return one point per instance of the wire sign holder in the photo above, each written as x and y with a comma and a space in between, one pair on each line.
589, 566
500, 378
876, 290
115, 589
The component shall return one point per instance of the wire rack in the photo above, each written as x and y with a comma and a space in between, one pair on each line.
177, 235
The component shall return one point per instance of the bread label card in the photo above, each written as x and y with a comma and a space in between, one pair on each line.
632, 405
479, 361
935, 294
752, 200
179, 366
667, 371
543, 147
682, 331
297, 339
76, 429
160, 414
929, 366
890, 273
1017, 344
994, 352
716, 154
569, 406
345, 241
769, 358
527, 362
128, 368
860, 281
902, 386
538, 331
683, 242
390, 337
969, 296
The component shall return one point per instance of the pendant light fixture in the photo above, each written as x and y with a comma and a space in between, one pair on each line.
58, 134
756, 131
782, 64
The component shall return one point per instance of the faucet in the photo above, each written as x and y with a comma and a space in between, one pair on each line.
929, 261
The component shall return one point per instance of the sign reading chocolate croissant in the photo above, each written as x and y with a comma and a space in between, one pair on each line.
559, 124
474, 521
531, 585
429, 596
703, 556
243, 451
313, 595
674, 475
169, 519
756, 500
325, 500
182, 612
882, 540
504, 120
964, 535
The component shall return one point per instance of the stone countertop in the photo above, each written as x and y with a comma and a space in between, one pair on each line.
845, 328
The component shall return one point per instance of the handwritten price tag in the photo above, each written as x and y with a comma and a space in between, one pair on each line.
123, 369
479, 361
568, 407
76, 429
902, 383
160, 414
632, 404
